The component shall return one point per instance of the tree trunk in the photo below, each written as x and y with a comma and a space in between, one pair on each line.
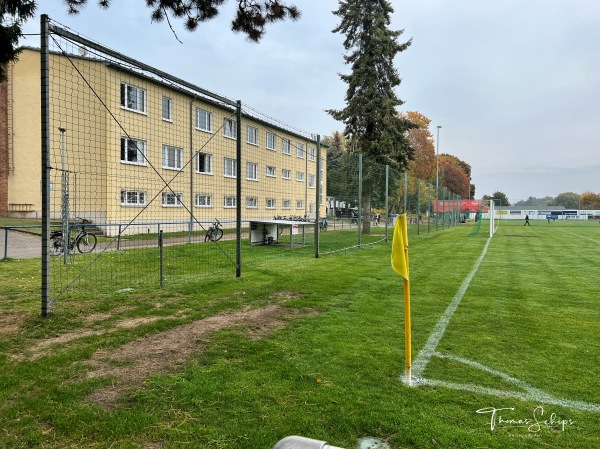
366, 214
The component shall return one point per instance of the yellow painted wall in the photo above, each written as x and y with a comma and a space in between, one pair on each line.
85, 100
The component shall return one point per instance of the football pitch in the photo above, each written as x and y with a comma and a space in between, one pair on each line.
524, 321
505, 339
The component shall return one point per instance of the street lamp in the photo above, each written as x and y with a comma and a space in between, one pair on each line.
437, 175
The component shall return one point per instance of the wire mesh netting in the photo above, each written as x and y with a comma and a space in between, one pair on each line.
151, 175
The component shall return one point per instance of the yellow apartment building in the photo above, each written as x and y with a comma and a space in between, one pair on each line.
128, 149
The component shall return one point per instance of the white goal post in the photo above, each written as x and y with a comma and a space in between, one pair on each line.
494, 221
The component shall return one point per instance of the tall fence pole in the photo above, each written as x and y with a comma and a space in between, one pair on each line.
65, 196
319, 194
418, 206
45, 118
387, 196
238, 203
360, 181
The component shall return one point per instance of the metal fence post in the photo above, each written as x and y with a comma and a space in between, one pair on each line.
319, 194
238, 193
360, 181
45, 119
5, 243
418, 206
160, 251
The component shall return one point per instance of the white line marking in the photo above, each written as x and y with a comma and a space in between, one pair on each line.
531, 393
429, 350
422, 359
528, 396
585, 238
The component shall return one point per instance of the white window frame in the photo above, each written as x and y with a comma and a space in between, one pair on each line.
286, 146
170, 199
168, 110
140, 145
208, 164
126, 194
271, 171
177, 157
270, 203
251, 171
251, 202
252, 135
312, 181
229, 167
229, 201
284, 172
271, 141
312, 152
206, 123
230, 128
206, 200
133, 98
299, 204
286, 204
300, 150
300, 176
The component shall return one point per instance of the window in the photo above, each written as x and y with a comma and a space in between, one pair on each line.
170, 199
286, 204
133, 98
230, 128
133, 151
286, 174
230, 168
252, 171
300, 150
270, 203
299, 204
133, 198
172, 157
251, 202
204, 163
271, 141
271, 171
311, 181
203, 200
251, 135
311, 153
285, 146
203, 120
300, 176
229, 201
167, 109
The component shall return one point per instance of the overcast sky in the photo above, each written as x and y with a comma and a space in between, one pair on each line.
514, 84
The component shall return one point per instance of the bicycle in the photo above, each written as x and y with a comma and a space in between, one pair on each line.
83, 241
215, 232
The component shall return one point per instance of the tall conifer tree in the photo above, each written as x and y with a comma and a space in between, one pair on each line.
373, 125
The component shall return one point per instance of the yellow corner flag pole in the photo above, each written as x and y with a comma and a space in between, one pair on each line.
400, 266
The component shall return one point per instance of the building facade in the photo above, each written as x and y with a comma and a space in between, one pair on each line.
131, 148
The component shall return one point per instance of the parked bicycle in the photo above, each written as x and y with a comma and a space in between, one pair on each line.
83, 240
215, 232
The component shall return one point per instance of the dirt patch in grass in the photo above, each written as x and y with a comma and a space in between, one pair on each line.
130, 364
10, 324
129, 323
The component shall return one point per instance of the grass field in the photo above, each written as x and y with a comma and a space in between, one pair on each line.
506, 344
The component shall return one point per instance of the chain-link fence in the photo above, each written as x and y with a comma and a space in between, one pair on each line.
147, 179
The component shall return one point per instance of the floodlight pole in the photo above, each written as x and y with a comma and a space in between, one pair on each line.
437, 177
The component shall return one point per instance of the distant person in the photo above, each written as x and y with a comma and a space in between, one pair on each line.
527, 221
